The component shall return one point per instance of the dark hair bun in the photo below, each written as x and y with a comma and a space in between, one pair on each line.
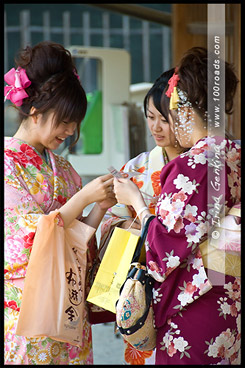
54, 82
192, 71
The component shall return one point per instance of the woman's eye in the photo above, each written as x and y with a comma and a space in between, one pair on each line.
150, 117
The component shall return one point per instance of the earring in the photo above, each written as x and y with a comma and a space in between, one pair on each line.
175, 134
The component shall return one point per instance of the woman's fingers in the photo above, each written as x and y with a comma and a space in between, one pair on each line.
106, 177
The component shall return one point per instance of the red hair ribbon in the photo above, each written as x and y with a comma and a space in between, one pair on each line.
173, 81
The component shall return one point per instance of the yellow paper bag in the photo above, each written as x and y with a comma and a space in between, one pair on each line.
113, 269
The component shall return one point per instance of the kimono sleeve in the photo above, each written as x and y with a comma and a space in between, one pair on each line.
172, 246
172, 255
21, 214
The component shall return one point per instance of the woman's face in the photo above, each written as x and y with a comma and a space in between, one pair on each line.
159, 126
50, 136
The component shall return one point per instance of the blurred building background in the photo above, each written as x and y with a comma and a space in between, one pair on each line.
154, 35
148, 43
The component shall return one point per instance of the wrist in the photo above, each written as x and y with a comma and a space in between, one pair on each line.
72, 208
142, 213
99, 208
139, 204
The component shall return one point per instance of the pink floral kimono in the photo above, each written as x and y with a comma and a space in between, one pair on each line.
197, 310
33, 187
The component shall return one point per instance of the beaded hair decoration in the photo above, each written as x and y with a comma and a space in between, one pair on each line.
178, 99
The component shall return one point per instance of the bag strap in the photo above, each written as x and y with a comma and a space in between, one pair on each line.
142, 238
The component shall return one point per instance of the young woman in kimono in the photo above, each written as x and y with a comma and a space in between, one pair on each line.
147, 166
52, 103
197, 307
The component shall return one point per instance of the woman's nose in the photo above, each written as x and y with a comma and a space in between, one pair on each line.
70, 129
157, 125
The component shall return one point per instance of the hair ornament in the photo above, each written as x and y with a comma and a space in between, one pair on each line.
75, 73
17, 82
174, 99
172, 91
173, 81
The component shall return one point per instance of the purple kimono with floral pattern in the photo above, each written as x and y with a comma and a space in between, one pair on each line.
197, 319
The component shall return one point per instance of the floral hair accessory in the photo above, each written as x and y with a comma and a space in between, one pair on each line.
74, 71
172, 91
173, 81
18, 81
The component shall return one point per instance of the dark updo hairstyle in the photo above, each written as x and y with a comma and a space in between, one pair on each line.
156, 92
54, 84
192, 71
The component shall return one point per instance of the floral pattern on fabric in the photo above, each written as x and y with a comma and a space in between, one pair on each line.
183, 286
134, 356
33, 188
174, 343
227, 345
156, 183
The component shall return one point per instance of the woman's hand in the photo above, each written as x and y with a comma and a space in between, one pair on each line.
100, 189
109, 202
126, 191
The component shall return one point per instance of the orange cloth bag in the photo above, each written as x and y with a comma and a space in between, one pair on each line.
54, 291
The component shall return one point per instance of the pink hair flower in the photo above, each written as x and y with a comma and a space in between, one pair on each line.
17, 82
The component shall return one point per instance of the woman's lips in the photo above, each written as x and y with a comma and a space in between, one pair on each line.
60, 140
158, 137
